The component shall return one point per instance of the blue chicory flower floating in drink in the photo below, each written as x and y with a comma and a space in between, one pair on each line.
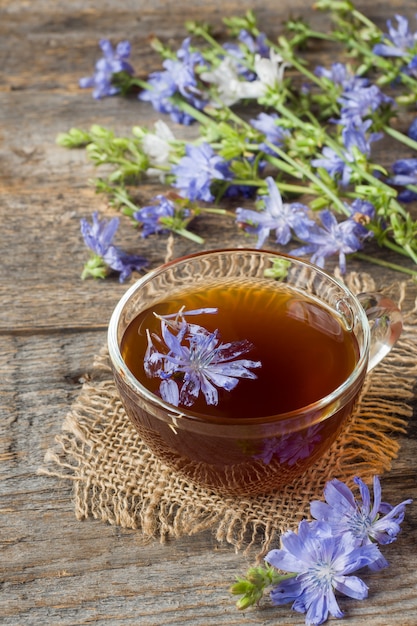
190, 360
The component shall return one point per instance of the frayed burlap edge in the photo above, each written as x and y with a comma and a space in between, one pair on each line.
118, 480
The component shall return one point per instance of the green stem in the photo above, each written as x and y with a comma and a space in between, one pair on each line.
405, 139
396, 248
215, 211
283, 166
387, 264
309, 32
138, 82
202, 32
298, 189
198, 115
121, 196
365, 20
410, 252
298, 165
188, 235
300, 67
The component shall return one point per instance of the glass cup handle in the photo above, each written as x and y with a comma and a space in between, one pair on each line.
385, 321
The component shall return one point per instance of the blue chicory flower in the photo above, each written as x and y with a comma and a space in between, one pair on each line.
354, 135
194, 361
407, 195
354, 138
98, 236
240, 191
332, 238
256, 45
319, 560
366, 521
412, 67
340, 74
405, 173
162, 89
152, 217
123, 262
334, 164
358, 97
196, 171
398, 42
322, 564
277, 216
362, 100
178, 77
182, 71
112, 62
362, 213
274, 134
412, 129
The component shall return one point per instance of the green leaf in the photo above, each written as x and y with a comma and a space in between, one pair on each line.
74, 138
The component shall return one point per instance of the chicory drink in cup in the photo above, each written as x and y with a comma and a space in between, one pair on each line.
240, 367
295, 349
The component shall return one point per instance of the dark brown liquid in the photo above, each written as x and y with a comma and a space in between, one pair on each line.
305, 351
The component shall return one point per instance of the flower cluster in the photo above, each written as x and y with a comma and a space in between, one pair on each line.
112, 62
189, 360
321, 558
399, 42
311, 137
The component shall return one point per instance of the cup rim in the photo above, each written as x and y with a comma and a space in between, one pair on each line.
173, 412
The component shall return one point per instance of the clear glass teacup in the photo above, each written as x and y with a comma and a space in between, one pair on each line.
272, 424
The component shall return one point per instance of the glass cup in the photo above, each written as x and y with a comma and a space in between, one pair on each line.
257, 454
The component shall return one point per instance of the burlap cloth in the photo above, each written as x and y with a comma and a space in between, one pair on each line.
117, 480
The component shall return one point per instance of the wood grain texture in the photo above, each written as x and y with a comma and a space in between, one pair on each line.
53, 568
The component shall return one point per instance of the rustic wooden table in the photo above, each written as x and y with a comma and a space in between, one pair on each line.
55, 569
